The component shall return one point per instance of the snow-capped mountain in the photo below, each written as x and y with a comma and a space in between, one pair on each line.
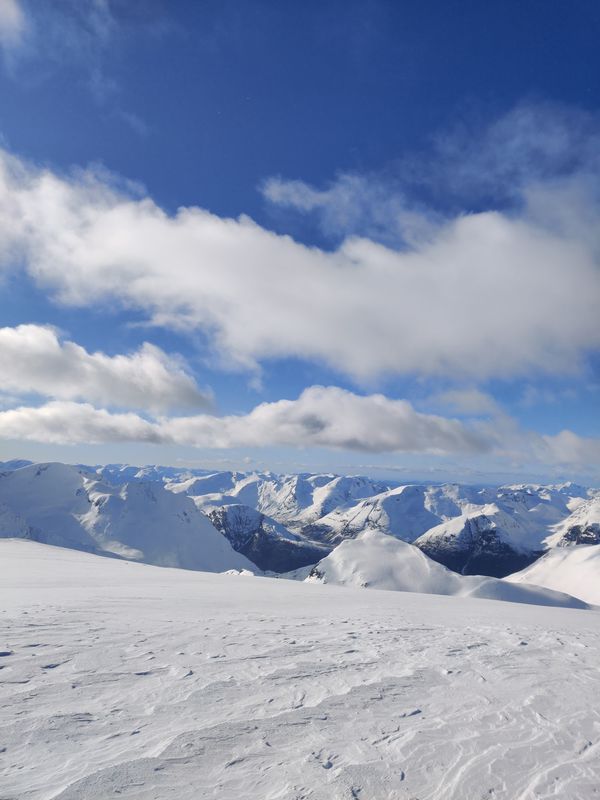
67, 506
267, 543
503, 535
403, 511
399, 512
374, 560
283, 522
44, 502
293, 500
483, 540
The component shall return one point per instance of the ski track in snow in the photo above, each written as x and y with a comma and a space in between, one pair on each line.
124, 680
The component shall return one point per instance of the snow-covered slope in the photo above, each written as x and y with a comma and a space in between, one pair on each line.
582, 526
145, 522
378, 561
47, 501
575, 570
124, 680
66, 506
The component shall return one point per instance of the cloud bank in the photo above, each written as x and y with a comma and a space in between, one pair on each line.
326, 417
33, 360
320, 417
490, 295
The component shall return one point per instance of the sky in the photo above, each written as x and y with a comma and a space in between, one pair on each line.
357, 236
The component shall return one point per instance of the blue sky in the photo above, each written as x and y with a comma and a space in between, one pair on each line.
396, 201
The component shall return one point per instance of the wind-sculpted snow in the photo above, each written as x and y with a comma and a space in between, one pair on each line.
575, 570
376, 561
124, 680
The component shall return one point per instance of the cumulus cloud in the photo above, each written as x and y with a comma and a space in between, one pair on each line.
491, 294
34, 360
332, 417
12, 23
64, 422
321, 417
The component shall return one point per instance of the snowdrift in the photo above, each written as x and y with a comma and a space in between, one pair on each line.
378, 561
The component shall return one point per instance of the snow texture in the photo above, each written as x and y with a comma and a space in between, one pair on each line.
120, 679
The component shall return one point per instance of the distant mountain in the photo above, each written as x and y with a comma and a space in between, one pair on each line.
125, 473
377, 561
203, 519
582, 526
293, 500
15, 463
267, 543
403, 511
501, 536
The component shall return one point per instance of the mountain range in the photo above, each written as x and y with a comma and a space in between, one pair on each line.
307, 526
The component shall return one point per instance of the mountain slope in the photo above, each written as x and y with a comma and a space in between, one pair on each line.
267, 543
575, 570
483, 541
66, 506
582, 526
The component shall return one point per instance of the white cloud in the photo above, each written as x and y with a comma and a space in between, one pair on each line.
531, 144
34, 360
12, 23
569, 448
64, 422
492, 295
502, 164
364, 205
331, 417
321, 417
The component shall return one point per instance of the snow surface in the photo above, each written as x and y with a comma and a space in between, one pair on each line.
378, 561
575, 570
126, 680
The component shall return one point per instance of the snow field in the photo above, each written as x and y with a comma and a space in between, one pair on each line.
125, 680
